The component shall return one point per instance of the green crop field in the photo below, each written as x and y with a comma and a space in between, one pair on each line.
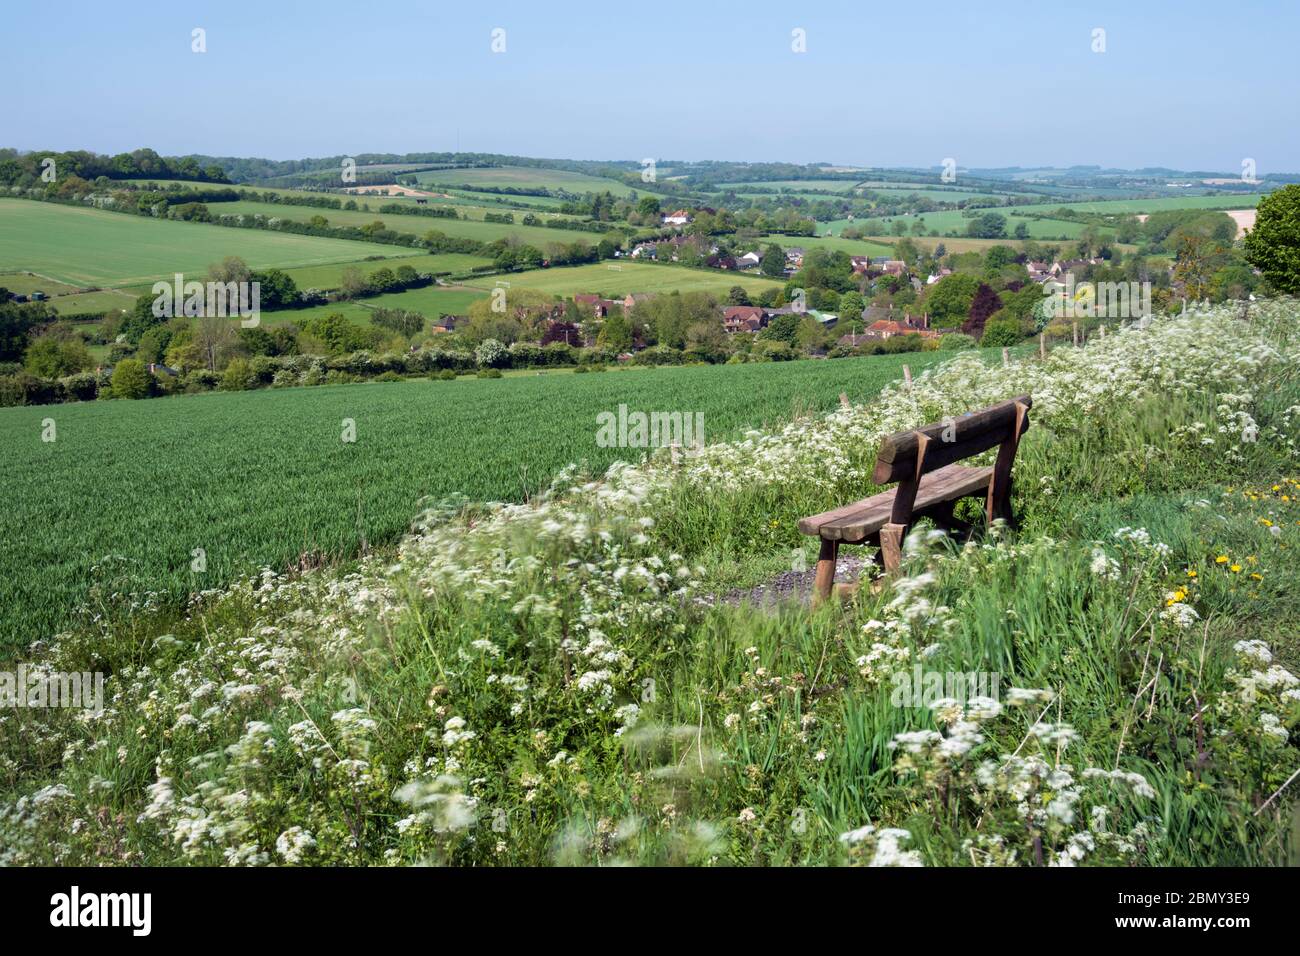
25, 283
620, 278
329, 276
109, 300
92, 247
431, 301
854, 247
256, 478
952, 221
526, 177
361, 217
796, 185
1221, 201
538, 236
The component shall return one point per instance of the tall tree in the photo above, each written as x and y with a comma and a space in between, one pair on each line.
1273, 246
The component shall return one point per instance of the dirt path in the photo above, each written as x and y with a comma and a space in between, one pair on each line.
789, 586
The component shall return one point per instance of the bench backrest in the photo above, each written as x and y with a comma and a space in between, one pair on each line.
943, 443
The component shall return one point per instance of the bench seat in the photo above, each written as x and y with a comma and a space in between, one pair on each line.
853, 524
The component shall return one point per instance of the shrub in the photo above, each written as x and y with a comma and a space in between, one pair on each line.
488, 373
200, 380
955, 342
389, 377
131, 380
559, 353
1005, 332
81, 387
24, 388
313, 376
446, 375
491, 354
658, 355
525, 355
238, 376
774, 351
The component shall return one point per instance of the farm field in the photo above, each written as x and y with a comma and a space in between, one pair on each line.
415, 225
262, 477
432, 301
854, 247
962, 244
796, 185
92, 247
526, 177
1221, 201
329, 276
25, 283
109, 300
952, 220
628, 276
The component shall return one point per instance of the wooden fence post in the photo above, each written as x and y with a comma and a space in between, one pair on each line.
1076, 334
1042, 346
907, 378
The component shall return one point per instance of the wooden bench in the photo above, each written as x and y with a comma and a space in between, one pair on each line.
922, 461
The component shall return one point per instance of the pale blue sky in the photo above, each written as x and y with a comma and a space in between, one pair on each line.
1184, 84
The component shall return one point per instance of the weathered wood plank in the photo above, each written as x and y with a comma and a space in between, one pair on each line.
857, 521
965, 436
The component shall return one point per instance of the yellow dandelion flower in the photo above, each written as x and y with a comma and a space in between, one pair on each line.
1257, 576
1223, 558
1235, 569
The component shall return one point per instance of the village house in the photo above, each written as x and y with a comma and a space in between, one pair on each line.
893, 267
645, 250
600, 308
932, 279
633, 299
750, 260
678, 217
883, 324
860, 264
1039, 272
743, 318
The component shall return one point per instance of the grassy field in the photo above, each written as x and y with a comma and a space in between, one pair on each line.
538, 236
263, 477
527, 177
109, 300
329, 276
620, 674
854, 247
25, 283
953, 221
620, 278
431, 301
1236, 201
92, 247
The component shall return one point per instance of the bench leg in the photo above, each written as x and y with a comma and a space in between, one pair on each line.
891, 546
825, 579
